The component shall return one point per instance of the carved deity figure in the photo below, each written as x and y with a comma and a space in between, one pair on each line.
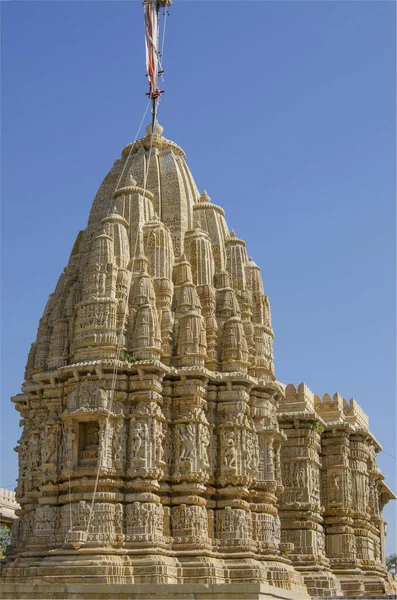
45, 521
34, 452
50, 444
239, 523
230, 453
248, 452
23, 456
335, 488
97, 286
234, 524
180, 521
27, 523
144, 518
118, 519
159, 443
187, 440
81, 512
138, 440
204, 441
69, 442
119, 442
301, 478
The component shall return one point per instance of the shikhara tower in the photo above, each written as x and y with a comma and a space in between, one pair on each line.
157, 446
183, 424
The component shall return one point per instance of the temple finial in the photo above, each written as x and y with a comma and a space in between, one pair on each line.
151, 10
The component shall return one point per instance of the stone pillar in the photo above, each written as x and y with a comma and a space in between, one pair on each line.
266, 520
338, 502
366, 518
145, 518
238, 457
300, 506
191, 471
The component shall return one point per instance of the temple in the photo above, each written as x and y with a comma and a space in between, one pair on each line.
158, 448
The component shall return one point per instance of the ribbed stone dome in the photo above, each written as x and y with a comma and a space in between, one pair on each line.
168, 178
203, 297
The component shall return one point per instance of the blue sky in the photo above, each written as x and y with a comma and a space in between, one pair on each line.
286, 111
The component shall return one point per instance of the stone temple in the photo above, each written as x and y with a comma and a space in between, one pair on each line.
159, 456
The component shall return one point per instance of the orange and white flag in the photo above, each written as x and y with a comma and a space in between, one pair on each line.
151, 10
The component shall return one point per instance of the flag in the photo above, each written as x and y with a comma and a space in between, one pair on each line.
152, 39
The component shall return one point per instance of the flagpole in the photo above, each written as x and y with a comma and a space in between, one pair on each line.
154, 115
152, 34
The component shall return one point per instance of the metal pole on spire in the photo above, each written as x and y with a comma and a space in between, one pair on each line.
151, 10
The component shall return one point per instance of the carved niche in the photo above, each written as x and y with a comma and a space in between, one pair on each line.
51, 437
191, 445
144, 522
234, 526
45, 523
87, 397
189, 524
239, 449
146, 440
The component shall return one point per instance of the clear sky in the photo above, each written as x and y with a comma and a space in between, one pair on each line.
286, 111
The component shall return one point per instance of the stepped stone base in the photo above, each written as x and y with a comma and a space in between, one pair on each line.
376, 586
352, 585
66, 567
321, 584
248, 591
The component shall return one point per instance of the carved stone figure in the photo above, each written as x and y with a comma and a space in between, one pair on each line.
80, 515
50, 443
118, 519
187, 440
23, 453
119, 443
34, 452
230, 452
159, 443
335, 488
204, 440
138, 440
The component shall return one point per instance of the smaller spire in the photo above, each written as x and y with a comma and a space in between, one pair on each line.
205, 197
141, 262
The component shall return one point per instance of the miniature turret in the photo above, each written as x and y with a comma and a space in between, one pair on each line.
190, 327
